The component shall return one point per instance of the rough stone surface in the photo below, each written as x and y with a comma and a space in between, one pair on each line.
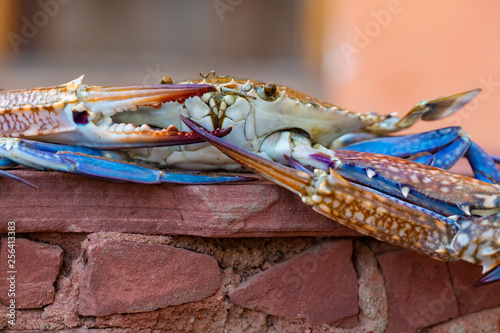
419, 291
36, 265
125, 277
487, 321
318, 285
463, 276
69, 203
372, 293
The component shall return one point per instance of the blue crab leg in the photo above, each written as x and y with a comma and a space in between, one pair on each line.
121, 171
362, 209
95, 163
16, 178
5, 163
446, 146
483, 165
408, 145
495, 159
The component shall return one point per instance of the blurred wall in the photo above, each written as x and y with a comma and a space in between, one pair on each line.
126, 41
387, 55
382, 55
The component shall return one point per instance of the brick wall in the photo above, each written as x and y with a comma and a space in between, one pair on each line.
92, 254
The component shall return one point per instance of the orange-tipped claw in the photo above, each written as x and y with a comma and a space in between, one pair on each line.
294, 180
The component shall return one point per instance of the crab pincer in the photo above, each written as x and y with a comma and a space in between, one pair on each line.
85, 115
472, 236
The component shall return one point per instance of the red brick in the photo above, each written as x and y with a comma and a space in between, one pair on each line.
484, 321
78, 204
37, 266
319, 284
463, 275
419, 291
126, 277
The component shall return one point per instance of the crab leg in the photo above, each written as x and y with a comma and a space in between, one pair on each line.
482, 164
96, 163
433, 109
445, 147
407, 145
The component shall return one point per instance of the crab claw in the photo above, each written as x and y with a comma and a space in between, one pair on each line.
99, 117
105, 115
357, 207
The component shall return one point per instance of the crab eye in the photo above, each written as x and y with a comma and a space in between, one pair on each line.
165, 79
269, 92
270, 89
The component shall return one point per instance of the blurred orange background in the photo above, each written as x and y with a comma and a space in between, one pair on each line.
379, 55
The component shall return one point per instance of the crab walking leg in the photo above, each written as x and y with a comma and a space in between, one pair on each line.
433, 109
369, 212
95, 163
121, 171
407, 145
444, 147
482, 164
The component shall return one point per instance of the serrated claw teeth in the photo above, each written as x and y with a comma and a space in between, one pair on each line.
172, 129
370, 173
405, 190
129, 129
145, 128
465, 209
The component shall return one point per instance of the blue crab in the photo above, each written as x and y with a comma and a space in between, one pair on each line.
345, 164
